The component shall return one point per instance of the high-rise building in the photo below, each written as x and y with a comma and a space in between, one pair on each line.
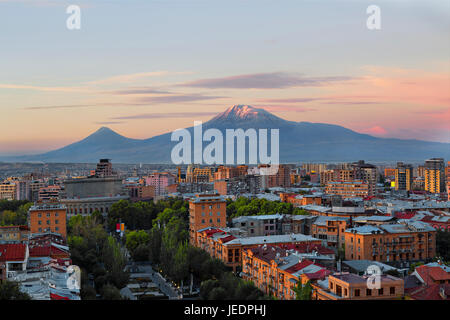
403, 176
367, 173
206, 210
435, 175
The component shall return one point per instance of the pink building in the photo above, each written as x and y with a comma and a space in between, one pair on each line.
160, 180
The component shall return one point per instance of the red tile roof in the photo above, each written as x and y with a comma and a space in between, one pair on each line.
307, 248
432, 274
299, 266
432, 292
47, 251
12, 252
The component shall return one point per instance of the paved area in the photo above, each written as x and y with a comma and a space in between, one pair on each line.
146, 271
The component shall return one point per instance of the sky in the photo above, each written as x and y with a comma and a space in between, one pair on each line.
147, 67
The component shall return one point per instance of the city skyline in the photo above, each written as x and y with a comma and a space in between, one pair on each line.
147, 68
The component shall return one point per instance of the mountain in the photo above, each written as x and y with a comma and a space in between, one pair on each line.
299, 141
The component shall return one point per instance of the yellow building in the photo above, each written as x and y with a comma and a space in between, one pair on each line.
435, 175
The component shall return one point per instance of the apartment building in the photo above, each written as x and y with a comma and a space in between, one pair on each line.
403, 176
8, 191
330, 229
276, 271
353, 189
222, 244
434, 175
401, 242
206, 210
349, 286
48, 217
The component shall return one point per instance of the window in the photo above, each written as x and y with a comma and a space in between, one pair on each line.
380, 292
345, 292
357, 293
39, 215
40, 229
48, 214
203, 220
203, 214
218, 220
368, 292
56, 214
39, 222
218, 205
48, 222
56, 221
56, 229
392, 290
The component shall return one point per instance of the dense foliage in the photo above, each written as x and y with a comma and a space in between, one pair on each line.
9, 290
246, 207
443, 245
13, 213
96, 253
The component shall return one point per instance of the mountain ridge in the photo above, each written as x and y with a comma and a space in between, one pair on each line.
299, 141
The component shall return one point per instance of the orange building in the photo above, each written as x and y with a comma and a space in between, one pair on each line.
276, 271
349, 189
206, 210
389, 172
331, 229
228, 248
48, 217
349, 286
409, 241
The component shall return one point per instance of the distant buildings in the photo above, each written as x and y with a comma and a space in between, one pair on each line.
354, 189
95, 193
160, 181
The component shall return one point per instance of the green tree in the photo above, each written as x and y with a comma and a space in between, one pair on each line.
303, 292
443, 244
110, 292
9, 290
